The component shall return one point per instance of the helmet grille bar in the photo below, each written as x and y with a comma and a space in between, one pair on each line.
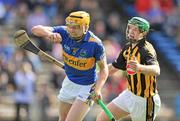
76, 16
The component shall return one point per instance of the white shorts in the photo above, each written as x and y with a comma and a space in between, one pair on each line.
71, 91
137, 106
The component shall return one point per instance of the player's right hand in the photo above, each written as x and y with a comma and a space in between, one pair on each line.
132, 66
55, 37
95, 96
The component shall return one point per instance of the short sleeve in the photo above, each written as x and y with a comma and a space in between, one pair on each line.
61, 30
150, 57
99, 51
120, 62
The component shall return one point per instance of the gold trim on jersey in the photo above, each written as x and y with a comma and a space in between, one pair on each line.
131, 57
150, 109
139, 86
92, 39
79, 63
148, 81
152, 88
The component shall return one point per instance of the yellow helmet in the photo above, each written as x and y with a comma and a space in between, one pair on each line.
79, 18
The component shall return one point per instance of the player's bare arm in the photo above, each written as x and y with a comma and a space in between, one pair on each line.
149, 69
103, 74
112, 69
145, 69
46, 32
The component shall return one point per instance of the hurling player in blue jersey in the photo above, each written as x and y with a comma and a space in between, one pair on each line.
81, 51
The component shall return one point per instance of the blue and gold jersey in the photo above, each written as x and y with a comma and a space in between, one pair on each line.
80, 57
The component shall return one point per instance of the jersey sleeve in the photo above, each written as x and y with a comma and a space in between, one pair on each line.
61, 30
150, 57
120, 62
99, 52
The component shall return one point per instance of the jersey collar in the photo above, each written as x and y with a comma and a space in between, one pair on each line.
86, 37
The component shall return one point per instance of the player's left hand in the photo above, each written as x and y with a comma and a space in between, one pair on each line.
133, 65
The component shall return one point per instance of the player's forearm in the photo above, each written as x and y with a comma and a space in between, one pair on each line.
41, 31
111, 69
149, 69
103, 74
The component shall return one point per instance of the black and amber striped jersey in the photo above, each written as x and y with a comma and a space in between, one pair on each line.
140, 84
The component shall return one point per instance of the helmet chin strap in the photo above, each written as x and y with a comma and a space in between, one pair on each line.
84, 29
78, 38
133, 41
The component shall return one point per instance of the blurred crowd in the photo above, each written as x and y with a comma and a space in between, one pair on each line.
25, 79
164, 15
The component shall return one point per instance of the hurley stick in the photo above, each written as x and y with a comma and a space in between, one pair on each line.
22, 40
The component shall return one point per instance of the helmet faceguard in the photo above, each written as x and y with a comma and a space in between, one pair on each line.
143, 26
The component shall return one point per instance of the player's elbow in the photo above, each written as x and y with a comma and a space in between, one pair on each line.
35, 30
112, 70
157, 71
